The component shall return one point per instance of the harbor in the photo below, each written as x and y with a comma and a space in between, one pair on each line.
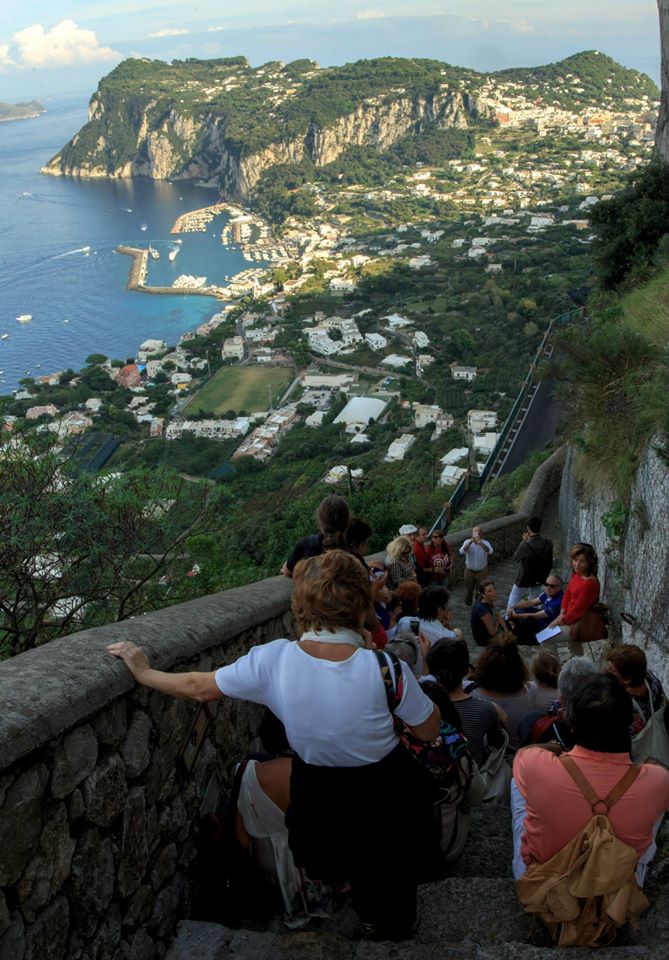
137, 278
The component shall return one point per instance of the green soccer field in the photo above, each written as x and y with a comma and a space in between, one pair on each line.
240, 388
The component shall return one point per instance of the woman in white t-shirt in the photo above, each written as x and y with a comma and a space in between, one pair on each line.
350, 773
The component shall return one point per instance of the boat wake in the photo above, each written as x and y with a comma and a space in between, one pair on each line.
70, 253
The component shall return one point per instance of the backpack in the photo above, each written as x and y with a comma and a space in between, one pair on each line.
588, 890
447, 759
455, 781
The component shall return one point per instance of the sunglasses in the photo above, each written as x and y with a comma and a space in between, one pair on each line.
551, 586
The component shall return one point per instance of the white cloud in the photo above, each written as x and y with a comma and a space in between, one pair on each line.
520, 26
214, 29
370, 15
64, 44
170, 32
5, 59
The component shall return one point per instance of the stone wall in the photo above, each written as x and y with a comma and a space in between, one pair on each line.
97, 823
633, 569
96, 820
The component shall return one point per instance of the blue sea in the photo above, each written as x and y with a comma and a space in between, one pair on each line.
46, 224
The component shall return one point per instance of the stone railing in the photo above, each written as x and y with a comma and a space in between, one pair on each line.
97, 822
98, 819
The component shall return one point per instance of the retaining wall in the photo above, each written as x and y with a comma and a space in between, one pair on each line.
97, 823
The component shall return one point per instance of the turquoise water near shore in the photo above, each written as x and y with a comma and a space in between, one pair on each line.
46, 222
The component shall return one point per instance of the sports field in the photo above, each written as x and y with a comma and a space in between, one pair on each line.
240, 388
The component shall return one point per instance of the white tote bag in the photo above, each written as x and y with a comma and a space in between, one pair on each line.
651, 743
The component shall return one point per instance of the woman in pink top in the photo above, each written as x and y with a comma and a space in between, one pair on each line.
582, 591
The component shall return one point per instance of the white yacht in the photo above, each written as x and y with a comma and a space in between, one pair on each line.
24, 317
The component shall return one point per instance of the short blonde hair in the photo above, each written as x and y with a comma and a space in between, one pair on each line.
397, 547
330, 591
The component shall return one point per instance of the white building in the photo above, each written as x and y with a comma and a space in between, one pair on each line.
421, 339
396, 361
398, 448
358, 412
485, 442
463, 373
315, 419
178, 378
376, 341
213, 429
328, 381
451, 476
150, 347
233, 348
454, 456
396, 322
417, 263
320, 342
93, 404
480, 420
340, 473
341, 285
424, 414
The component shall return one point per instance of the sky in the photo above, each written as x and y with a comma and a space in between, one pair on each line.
52, 47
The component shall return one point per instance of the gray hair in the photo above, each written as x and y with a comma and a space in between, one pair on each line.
405, 647
571, 675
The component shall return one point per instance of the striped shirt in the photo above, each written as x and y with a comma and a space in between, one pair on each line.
480, 718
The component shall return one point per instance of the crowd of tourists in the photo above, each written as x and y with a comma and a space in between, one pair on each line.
391, 730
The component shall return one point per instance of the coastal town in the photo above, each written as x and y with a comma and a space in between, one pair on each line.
534, 174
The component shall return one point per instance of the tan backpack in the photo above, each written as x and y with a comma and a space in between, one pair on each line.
588, 890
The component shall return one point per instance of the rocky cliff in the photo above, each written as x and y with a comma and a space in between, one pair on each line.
183, 147
633, 549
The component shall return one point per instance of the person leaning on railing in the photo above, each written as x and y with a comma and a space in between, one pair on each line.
350, 773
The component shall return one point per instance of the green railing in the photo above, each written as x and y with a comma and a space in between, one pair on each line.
469, 483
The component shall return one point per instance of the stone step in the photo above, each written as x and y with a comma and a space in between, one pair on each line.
210, 941
489, 849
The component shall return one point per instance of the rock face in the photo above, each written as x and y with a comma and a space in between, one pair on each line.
662, 132
633, 566
179, 147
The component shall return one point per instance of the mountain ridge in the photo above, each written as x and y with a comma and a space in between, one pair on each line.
226, 122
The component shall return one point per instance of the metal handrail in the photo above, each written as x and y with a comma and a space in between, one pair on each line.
456, 497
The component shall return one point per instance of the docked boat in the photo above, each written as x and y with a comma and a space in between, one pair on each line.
173, 255
24, 317
154, 253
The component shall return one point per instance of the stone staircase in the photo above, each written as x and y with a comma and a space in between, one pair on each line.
471, 915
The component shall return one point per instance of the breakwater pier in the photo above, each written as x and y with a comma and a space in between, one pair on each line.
137, 278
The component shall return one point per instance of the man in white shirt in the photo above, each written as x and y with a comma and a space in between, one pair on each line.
476, 551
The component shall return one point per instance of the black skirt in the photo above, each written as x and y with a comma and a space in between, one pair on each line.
372, 825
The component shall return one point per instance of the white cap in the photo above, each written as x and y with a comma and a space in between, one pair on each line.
408, 528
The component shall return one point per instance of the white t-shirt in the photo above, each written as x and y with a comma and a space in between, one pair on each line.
335, 714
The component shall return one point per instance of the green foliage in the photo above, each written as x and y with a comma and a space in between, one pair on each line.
616, 373
78, 552
595, 78
630, 227
614, 520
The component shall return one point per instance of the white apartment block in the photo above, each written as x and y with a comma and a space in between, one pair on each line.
376, 341
212, 429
